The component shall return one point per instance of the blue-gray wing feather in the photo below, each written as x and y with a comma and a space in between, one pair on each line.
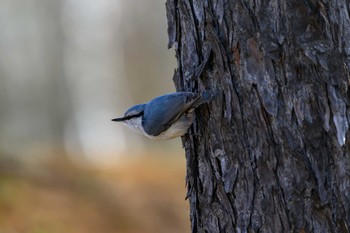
161, 112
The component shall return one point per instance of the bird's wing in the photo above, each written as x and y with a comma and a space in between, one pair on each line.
163, 111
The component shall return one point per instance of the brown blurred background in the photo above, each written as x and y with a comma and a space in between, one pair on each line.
66, 68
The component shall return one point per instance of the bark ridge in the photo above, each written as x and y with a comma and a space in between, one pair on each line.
273, 152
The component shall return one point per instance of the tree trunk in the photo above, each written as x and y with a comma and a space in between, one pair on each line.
271, 151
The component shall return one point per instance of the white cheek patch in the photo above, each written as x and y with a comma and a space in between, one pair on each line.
135, 124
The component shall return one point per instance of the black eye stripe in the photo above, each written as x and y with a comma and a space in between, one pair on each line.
125, 118
132, 116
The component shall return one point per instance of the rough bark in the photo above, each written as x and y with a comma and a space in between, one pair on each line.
271, 152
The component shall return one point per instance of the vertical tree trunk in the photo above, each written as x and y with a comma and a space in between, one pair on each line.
271, 152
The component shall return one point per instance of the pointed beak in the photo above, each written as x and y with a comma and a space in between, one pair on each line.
119, 119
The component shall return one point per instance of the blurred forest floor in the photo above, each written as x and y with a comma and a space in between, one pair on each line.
141, 194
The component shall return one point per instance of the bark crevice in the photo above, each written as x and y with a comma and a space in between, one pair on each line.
270, 152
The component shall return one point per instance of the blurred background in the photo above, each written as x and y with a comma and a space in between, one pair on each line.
66, 68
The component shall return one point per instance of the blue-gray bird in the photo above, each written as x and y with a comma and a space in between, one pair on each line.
165, 117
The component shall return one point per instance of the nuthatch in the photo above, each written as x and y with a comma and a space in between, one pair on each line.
165, 117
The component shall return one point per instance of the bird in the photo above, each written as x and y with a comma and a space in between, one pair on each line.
165, 117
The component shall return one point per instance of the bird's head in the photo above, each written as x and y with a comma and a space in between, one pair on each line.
133, 117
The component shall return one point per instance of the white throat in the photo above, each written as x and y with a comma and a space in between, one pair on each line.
135, 124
